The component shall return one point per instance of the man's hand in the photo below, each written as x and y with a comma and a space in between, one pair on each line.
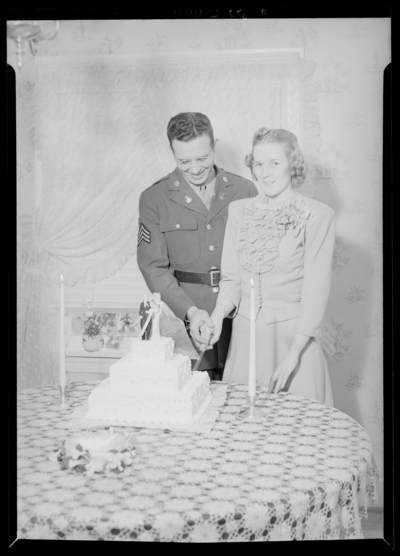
201, 326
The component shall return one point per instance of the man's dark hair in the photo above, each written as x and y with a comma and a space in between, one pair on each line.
189, 125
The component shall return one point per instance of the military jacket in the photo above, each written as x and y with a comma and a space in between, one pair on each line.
177, 232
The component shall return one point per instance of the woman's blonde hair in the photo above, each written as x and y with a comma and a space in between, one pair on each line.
298, 168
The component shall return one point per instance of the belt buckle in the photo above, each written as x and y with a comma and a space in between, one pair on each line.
212, 272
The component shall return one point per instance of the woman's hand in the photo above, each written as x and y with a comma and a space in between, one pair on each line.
283, 372
201, 326
206, 330
216, 331
289, 362
206, 333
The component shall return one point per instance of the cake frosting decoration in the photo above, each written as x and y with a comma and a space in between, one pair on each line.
151, 384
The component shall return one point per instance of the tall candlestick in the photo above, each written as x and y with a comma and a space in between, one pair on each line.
252, 350
63, 374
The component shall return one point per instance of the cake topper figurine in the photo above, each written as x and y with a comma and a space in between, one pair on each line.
154, 312
161, 322
156, 305
143, 315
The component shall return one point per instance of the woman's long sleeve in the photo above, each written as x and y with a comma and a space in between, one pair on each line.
319, 245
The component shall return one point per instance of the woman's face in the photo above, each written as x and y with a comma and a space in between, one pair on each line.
271, 169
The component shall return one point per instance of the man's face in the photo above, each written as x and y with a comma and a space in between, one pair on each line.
194, 158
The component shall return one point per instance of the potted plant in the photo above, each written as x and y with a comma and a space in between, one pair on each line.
92, 338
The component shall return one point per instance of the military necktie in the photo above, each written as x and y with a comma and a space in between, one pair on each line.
205, 196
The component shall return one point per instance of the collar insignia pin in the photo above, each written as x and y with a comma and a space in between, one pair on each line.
188, 199
222, 196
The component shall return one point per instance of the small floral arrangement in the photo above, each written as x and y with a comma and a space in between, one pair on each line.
93, 324
92, 453
104, 324
292, 215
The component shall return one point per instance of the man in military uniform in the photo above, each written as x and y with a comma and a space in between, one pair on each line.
182, 220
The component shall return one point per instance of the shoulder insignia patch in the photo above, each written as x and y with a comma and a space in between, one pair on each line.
143, 234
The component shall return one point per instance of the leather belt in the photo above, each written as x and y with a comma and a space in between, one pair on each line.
210, 278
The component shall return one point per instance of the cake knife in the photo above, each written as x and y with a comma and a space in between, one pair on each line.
203, 349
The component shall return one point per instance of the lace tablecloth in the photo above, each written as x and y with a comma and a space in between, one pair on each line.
294, 475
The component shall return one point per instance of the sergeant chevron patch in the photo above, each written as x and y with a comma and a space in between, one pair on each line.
143, 234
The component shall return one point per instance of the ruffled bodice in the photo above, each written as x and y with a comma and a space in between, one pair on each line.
263, 226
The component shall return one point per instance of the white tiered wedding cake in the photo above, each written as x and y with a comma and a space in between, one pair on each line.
151, 384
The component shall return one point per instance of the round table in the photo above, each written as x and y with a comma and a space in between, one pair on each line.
296, 475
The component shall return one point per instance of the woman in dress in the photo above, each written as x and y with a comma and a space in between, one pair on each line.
284, 242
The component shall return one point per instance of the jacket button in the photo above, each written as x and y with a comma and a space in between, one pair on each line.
225, 179
212, 248
176, 183
177, 225
216, 289
208, 226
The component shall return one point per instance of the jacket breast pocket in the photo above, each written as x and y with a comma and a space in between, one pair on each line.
182, 238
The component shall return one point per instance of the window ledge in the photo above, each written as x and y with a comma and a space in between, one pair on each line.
103, 353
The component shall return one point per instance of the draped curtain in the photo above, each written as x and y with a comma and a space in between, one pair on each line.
100, 139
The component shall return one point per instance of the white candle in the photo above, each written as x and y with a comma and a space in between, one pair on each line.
252, 351
63, 374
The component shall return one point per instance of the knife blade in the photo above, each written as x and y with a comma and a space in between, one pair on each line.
203, 349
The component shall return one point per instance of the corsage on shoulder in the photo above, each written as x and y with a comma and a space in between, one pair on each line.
292, 215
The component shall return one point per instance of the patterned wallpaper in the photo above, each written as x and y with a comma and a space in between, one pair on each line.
350, 56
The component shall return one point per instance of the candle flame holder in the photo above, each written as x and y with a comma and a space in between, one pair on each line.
62, 401
252, 413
